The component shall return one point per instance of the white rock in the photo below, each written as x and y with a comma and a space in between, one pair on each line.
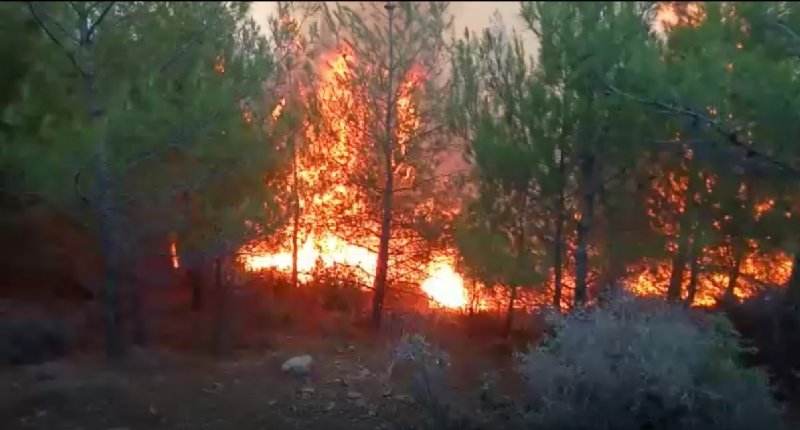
300, 365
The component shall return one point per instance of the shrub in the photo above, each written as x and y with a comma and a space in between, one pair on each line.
771, 323
639, 364
428, 366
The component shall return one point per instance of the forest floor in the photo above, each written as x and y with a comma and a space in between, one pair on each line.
160, 389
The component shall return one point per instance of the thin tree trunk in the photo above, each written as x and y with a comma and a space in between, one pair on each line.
678, 265
612, 267
739, 247
196, 284
139, 320
296, 215
192, 262
521, 262
584, 224
684, 233
510, 311
106, 196
793, 285
558, 241
733, 276
381, 273
221, 329
382, 266
473, 297
694, 266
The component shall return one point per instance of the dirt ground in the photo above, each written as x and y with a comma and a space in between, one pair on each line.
159, 389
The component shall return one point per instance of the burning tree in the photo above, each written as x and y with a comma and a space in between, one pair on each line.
667, 214
542, 129
369, 165
393, 56
500, 110
733, 142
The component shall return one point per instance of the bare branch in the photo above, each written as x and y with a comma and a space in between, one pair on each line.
100, 19
75, 8
182, 52
55, 40
731, 136
60, 27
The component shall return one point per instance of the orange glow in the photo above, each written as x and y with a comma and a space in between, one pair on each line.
334, 157
666, 206
329, 251
342, 157
276, 113
173, 253
674, 14
444, 285
763, 207
219, 65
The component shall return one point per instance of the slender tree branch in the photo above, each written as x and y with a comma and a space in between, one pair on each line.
99, 20
730, 136
75, 8
787, 32
55, 40
60, 27
183, 51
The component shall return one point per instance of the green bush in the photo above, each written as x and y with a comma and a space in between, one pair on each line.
638, 364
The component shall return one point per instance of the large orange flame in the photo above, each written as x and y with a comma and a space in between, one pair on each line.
321, 242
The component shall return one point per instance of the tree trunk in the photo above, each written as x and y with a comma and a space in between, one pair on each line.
558, 241
694, 266
195, 279
473, 297
684, 233
510, 312
139, 320
382, 266
793, 285
739, 247
612, 265
382, 269
106, 196
584, 224
733, 276
221, 329
678, 264
296, 215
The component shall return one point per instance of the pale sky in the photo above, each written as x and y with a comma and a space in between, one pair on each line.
473, 15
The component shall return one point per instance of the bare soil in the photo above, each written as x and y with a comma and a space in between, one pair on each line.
161, 389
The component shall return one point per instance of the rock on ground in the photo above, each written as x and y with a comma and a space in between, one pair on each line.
299, 365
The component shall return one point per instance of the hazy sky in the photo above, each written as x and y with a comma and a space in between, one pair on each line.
473, 15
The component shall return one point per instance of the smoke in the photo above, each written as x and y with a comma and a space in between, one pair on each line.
474, 16
477, 16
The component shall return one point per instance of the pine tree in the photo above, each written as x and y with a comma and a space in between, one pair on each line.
162, 114
390, 69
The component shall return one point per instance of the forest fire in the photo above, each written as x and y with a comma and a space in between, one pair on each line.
337, 225
327, 165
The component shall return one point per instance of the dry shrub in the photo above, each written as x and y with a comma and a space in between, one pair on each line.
637, 364
427, 367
